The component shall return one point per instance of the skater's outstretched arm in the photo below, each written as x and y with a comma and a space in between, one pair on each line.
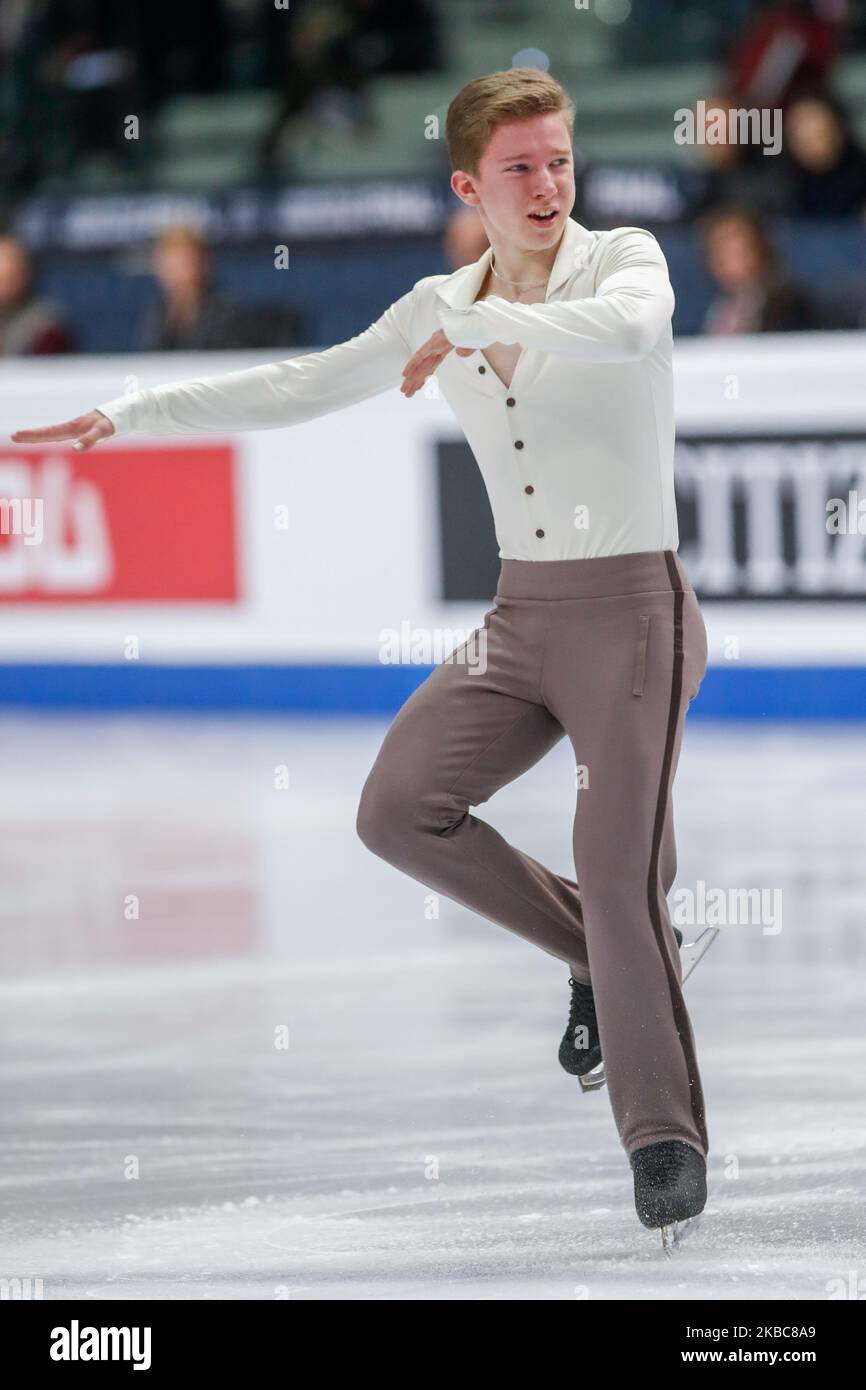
265, 397
621, 322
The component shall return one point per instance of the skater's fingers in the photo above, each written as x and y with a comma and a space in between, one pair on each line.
425, 367
89, 439
90, 427
69, 430
414, 382
411, 386
421, 362
436, 347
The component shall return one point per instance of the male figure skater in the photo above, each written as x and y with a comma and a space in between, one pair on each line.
554, 351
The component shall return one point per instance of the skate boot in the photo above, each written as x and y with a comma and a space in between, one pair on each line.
582, 1028
670, 1182
580, 1052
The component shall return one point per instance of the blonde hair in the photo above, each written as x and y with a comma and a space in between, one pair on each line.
487, 102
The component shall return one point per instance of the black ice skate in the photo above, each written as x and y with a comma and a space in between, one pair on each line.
582, 1029
670, 1184
580, 1051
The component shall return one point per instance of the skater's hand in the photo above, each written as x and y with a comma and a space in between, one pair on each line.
86, 430
427, 359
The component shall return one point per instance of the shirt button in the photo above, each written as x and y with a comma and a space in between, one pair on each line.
482, 369
539, 533
511, 401
518, 443
529, 488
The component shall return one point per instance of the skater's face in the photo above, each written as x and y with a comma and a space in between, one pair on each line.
527, 166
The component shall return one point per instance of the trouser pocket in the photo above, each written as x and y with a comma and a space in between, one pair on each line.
639, 672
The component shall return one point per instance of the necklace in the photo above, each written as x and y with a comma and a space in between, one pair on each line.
521, 284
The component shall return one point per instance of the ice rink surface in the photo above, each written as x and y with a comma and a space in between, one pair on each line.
168, 909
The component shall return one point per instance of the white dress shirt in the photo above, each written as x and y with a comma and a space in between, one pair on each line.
576, 453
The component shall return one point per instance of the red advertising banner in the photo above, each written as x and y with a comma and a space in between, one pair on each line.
155, 523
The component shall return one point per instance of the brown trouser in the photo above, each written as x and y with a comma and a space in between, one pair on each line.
608, 651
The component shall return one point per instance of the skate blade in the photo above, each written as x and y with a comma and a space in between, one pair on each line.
592, 1080
674, 1234
692, 951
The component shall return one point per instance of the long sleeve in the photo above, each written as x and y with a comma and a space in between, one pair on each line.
276, 393
621, 322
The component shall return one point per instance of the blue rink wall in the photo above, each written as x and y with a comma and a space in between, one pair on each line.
785, 693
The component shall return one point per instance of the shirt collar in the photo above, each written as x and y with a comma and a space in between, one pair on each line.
460, 289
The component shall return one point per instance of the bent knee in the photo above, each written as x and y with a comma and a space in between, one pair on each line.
382, 811
391, 815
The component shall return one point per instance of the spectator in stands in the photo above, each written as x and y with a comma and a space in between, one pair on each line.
464, 239
70, 83
793, 45
757, 294
193, 315
828, 165
732, 172
329, 53
29, 324
74, 71
788, 46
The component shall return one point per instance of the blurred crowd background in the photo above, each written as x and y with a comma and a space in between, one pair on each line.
153, 154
